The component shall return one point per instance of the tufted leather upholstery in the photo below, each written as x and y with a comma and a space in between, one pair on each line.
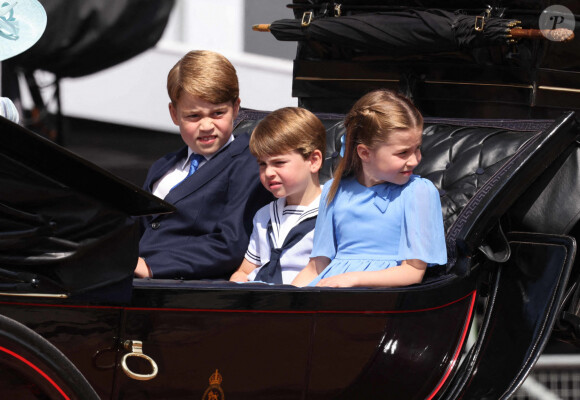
459, 157
458, 160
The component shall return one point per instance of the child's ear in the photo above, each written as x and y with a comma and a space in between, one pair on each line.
316, 160
236, 107
173, 113
363, 152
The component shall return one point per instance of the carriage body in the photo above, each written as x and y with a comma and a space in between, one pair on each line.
313, 342
80, 326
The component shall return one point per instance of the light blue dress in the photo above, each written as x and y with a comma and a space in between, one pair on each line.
373, 228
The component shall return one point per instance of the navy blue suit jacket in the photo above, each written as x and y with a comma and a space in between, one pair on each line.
206, 238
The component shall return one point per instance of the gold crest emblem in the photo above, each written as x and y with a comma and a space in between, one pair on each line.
214, 391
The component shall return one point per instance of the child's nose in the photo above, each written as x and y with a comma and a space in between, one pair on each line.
269, 171
206, 124
415, 159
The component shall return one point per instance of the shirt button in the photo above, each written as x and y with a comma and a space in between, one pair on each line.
155, 225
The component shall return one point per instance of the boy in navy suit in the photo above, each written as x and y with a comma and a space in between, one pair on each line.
213, 181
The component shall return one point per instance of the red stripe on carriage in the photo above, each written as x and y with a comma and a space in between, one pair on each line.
457, 350
217, 310
37, 369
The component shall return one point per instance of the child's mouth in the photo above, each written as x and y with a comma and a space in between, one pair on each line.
206, 139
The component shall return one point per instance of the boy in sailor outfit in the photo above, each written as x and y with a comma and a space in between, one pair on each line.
289, 145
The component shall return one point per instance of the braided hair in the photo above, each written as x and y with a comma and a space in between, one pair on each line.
372, 119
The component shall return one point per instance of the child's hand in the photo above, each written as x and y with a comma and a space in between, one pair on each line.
142, 270
407, 273
314, 267
239, 276
348, 279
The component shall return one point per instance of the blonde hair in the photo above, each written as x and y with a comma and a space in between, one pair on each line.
373, 118
288, 129
204, 74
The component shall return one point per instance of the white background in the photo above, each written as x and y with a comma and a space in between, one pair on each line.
133, 93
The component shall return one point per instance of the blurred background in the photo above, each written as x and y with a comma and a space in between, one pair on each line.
102, 101
133, 93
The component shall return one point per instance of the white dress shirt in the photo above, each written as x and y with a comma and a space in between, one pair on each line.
179, 172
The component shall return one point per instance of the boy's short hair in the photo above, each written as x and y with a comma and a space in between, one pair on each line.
204, 74
288, 129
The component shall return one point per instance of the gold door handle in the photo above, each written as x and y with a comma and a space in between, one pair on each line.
136, 348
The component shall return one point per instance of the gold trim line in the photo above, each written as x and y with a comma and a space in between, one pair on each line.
47, 295
310, 78
559, 89
514, 85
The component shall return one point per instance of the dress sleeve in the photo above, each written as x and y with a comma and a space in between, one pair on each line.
422, 231
324, 243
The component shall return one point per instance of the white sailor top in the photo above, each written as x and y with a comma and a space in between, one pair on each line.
283, 218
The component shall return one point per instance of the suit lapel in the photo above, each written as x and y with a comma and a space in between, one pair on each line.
211, 169
164, 166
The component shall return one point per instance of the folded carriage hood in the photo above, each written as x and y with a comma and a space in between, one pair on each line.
85, 37
62, 216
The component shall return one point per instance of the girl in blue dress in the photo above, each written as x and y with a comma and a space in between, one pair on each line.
378, 223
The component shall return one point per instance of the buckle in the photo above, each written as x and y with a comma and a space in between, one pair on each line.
306, 18
479, 23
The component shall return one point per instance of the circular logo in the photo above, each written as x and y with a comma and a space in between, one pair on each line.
556, 21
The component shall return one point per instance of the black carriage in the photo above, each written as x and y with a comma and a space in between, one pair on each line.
507, 256
78, 325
